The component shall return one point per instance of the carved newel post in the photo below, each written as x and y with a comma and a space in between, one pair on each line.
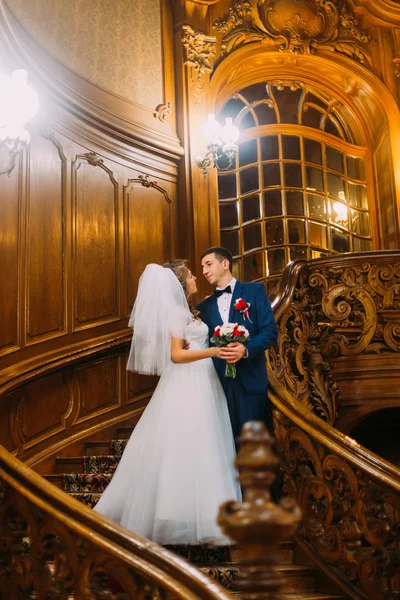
257, 524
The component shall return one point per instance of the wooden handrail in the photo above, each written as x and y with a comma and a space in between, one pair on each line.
72, 549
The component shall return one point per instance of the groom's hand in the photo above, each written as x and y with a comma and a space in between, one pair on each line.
232, 353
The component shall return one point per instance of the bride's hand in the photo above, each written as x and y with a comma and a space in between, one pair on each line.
217, 352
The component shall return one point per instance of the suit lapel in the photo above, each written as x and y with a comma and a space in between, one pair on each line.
237, 292
214, 312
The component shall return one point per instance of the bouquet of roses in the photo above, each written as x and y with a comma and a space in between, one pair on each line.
227, 334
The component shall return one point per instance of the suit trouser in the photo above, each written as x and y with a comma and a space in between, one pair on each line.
243, 406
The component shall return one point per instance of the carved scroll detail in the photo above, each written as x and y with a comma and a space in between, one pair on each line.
348, 518
199, 51
298, 27
52, 561
163, 112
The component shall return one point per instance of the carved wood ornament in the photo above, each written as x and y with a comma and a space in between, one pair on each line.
339, 307
297, 26
199, 52
53, 547
163, 112
337, 310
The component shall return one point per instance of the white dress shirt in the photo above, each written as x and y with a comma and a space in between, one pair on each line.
224, 301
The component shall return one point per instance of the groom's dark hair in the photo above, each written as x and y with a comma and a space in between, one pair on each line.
220, 253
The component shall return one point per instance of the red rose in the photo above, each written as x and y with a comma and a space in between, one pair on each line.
236, 331
243, 307
240, 304
217, 330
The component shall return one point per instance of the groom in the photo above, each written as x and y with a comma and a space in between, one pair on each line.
247, 393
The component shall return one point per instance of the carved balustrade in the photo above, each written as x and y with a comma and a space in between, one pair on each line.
51, 546
339, 307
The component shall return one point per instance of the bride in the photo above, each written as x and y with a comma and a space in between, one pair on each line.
177, 467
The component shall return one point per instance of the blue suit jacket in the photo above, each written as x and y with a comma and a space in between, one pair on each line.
251, 371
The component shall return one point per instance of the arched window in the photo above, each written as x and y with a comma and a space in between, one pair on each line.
298, 188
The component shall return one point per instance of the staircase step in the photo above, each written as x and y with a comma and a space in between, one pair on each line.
97, 448
297, 578
313, 596
56, 480
90, 499
202, 555
124, 432
86, 482
106, 463
304, 596
69, 464
117, 447
284, 554
100, 448
225, 575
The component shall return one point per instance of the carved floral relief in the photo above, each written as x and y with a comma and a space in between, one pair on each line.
336, 311
349, 519
297, 26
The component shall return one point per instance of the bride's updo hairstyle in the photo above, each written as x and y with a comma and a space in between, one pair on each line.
180, 269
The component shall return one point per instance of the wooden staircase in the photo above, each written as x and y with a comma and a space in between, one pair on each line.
86, 477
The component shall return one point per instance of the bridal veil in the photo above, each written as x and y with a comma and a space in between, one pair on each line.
160, 311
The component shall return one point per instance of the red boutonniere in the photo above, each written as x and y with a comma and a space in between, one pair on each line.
243, 307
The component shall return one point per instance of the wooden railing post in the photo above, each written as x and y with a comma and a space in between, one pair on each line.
257, 524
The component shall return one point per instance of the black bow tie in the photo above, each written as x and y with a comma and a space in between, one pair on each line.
227, 290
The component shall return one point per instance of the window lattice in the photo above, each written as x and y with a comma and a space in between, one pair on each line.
294, 192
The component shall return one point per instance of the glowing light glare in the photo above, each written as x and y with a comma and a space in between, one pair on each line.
221, 145
340, 210
18, 102
229, 133
211, 128
13, 136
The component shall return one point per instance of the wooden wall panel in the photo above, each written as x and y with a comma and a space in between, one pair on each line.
41, 410
7, 425
386, 219
91, 202
137, 384
148, 218
45, 241
42, 416
99, 387
95, 194
9, 236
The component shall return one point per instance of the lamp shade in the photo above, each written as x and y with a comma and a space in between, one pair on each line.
211, 128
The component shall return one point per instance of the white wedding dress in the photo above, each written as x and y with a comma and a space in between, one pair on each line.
177, 467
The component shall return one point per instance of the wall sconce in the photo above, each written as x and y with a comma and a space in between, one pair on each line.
18, 104
221, 144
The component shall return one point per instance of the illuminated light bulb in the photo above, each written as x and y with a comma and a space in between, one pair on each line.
229, 133
18, 102
211, 129
340, 210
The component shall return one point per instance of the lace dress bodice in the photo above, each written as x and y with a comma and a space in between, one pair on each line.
197, 335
